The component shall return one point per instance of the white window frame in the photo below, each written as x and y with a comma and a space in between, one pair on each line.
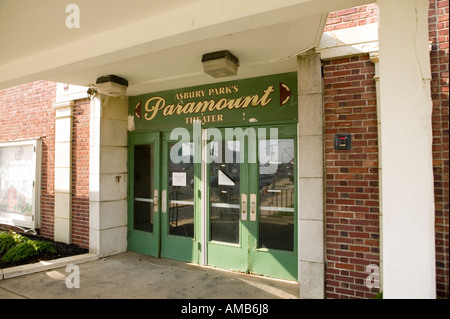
28, 223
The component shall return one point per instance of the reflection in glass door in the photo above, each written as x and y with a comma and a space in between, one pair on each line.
276, 194
274, 244
224, 192
143, 188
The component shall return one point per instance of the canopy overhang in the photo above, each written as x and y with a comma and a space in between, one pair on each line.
155, 44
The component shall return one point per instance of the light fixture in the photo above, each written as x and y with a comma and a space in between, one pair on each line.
220, 64
112, 85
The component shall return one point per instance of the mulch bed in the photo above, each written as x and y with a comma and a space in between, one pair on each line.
62, 250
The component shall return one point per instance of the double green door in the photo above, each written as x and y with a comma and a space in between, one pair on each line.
246, 220
162, 218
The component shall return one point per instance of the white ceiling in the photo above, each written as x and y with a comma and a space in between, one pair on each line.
155, 44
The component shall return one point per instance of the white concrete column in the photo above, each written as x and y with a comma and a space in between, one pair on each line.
108, 175
407, 201
63, 171
310, 177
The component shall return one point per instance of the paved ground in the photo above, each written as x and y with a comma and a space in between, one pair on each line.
134, 276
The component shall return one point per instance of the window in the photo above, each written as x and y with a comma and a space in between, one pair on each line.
20, 183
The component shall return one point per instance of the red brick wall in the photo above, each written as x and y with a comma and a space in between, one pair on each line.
352, 207
26, 112
342, 100
80, 173
352, 17
438, 30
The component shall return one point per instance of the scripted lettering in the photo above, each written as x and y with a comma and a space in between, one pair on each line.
157, 105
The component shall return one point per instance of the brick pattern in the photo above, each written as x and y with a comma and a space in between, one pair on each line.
352, 17
438, 30
352, 206
26, 112
80, 173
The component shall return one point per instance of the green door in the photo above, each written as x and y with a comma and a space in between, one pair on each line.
143, 203
227, 187
180, 200
163, 212
252, 200
247, 216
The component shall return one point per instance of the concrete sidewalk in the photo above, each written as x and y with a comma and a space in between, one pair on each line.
134, 276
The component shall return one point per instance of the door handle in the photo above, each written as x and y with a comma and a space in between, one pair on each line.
164, 201
253, 207
155, 201
243, 206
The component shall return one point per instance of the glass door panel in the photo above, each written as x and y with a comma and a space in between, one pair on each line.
180, 199
224, 192
276, 194
272, 243
181, 190
143, 188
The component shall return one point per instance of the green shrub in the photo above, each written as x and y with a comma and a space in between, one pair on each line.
19, 247
378, 296
9, 240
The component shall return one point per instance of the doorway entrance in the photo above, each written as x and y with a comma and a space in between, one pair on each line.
162, 218
251, 200
246, 218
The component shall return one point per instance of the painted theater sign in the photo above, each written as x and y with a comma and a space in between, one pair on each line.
257, 100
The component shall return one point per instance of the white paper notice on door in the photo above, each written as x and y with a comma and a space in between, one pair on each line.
178, 179
225, 180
